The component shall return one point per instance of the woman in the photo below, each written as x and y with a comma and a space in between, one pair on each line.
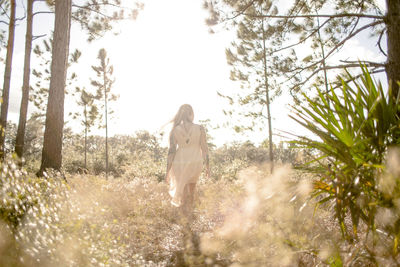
187, 152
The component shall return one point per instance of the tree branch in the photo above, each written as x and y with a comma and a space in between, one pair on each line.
379, 43
22, 18
370, 63
100, 4
241, 12
38, 36
353, 65
88, 7
379, 70
302, 40
5, 12
86, 24
42, 12
344, 66
355, 25
338, 45
340, 15
93, 10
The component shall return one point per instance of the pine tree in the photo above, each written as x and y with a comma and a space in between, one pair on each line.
89, 116
7, 77
104, 72
297, 26
20, 139
53, 135
249, 57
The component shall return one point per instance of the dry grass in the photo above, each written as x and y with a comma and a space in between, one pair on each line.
255, 220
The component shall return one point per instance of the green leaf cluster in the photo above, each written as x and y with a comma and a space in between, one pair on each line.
355, 126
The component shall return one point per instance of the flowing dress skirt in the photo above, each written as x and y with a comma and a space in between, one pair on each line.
186, 168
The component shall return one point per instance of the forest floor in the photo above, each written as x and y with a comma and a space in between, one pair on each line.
255, 220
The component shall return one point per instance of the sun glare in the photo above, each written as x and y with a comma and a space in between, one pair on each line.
162, 60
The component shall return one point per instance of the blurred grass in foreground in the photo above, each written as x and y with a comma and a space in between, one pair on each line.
256, 220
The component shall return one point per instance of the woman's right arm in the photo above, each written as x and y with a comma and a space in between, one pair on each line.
204, 150
171, 155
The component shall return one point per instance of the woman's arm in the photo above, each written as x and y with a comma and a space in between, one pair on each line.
171, 155
204, 150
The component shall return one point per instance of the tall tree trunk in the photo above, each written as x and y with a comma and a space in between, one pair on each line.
20, 140
106, 112
393, 43
7, 80
53, 135
86, 132
271, 152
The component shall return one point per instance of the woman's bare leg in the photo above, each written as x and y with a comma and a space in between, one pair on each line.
184, 205
191, 191
188, 196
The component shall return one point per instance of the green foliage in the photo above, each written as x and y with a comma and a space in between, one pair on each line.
227, 161
355, 127
104, 73
5, 7
41, 74
294, 27
249, 58
139, 155
98, 16
90, 114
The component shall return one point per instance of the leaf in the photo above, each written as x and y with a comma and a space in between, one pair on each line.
308, 59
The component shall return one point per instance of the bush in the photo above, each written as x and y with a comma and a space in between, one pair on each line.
74, 166
46, 222
355, 127
146, 167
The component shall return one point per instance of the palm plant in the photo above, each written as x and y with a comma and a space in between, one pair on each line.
355, 127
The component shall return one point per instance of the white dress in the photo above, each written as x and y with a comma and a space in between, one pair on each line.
188, 161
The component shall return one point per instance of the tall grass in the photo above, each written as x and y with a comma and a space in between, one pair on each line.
255, 220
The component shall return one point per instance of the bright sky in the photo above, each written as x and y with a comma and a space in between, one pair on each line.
162, 60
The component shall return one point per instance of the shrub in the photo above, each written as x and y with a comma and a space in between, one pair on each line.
45, 222
355, 129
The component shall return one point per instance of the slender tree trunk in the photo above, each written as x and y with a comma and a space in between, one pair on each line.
106, 111
53, 135
393, 43
7, 79
271, 152
323, 58
86, 132
20, 140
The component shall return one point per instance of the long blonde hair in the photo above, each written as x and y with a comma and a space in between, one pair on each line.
185, 113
